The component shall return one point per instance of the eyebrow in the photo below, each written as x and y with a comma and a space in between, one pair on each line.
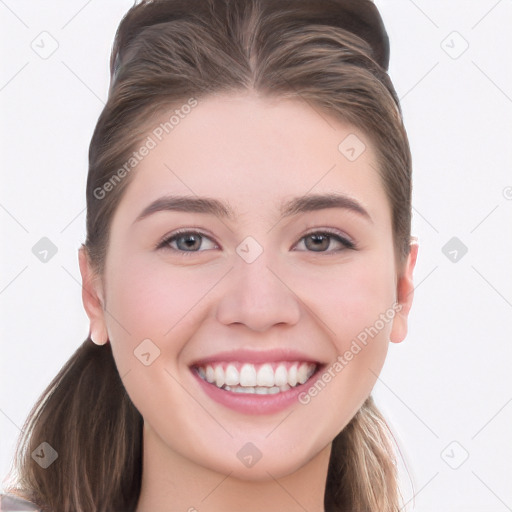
207, 205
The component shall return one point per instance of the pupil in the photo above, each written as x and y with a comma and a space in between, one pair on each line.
319, 242
190, 241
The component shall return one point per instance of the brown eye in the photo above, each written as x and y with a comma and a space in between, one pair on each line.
190, 242
318, 242
321, 241
186, 242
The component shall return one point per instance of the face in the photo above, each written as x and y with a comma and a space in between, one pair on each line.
291, 308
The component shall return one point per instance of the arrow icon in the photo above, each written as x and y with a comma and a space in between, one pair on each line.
249, 253
454, 45
454, 455
44, 250
249, 455
351, 147
44, 455
45, 45
147, 352
454, 249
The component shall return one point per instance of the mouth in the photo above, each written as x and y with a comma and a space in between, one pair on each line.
256, 382
268, 378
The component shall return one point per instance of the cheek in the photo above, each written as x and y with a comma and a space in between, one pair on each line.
142, 298
351, 296
356, 303
149, 299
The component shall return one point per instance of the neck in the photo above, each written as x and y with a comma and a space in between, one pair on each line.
173, 483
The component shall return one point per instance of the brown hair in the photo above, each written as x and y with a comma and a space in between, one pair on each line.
330, 53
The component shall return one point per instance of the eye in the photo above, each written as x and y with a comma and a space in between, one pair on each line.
186, 242
320, 241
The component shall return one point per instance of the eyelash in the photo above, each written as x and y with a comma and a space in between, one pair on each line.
348, 244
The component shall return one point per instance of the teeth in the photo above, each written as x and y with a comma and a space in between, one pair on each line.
265, 376
281, 376
267, 379
258, 390
220, 378
210, 374
248, 375
240, 389
292, 375
302, 373
232, 375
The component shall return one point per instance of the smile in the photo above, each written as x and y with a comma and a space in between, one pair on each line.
261, 379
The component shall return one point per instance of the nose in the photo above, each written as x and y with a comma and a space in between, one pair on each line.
258, 297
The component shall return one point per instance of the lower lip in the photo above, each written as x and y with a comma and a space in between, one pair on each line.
252, 403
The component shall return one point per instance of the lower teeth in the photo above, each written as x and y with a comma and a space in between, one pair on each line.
257, 390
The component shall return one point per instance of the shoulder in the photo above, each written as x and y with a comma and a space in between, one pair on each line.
12, 503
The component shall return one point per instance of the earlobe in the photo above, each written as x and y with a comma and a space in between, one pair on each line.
92, 298
405, 294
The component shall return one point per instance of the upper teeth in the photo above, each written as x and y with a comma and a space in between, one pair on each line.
265, 375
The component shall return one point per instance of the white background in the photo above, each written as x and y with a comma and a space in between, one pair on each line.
449, 381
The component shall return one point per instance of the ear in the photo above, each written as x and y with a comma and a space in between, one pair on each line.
405, 294
92, 298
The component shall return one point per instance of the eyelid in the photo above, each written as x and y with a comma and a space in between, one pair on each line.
329, 231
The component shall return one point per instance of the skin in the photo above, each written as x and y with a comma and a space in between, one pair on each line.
252, 153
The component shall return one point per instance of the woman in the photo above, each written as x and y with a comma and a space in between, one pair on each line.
248, 259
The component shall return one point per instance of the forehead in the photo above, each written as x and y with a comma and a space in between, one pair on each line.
252, 152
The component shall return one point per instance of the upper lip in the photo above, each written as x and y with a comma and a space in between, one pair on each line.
256, 356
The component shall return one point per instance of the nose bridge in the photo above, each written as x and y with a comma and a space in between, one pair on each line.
257, 295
